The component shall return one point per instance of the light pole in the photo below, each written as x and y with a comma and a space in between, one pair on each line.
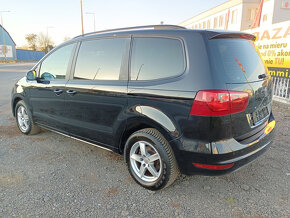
82, 17
47, 39
94, 14
4, 46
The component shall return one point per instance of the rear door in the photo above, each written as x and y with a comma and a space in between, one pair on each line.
47, 94
236, 62
96, 94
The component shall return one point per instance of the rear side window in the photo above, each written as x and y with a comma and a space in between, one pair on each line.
235, 60
100, 59
156, 58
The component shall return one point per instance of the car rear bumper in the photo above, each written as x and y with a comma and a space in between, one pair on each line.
224, 157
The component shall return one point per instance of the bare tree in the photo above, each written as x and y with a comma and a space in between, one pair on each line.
45, 43
32, 41
66, 38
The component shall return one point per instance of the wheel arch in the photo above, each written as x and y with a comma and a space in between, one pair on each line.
15, 100
137, 123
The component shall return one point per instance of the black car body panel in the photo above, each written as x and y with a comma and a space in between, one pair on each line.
106, 112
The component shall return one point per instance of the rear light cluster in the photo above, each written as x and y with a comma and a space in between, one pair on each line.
219, 103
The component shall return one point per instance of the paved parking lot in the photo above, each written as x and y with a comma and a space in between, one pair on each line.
52, 175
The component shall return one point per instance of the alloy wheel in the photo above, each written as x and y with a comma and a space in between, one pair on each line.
23, 119
145, 161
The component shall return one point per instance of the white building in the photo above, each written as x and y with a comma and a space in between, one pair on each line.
272, 32
240, 15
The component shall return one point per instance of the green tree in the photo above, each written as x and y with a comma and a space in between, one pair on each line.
32, 41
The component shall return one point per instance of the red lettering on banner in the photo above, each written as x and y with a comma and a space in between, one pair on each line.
287, 33
278, 30
265, 35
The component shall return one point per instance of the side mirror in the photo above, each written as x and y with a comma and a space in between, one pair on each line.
31, 75
47, 76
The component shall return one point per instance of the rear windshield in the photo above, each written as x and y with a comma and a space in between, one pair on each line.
235, 60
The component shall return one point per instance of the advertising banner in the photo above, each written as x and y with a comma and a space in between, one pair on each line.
9, 53
273, 43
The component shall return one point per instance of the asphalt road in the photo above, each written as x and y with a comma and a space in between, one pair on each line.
50, 175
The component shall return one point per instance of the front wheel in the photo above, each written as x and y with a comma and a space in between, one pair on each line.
24, 119
150, 159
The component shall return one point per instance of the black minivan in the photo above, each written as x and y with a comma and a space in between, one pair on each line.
170, 99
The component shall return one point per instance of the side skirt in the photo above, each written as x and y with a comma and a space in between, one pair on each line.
99, 146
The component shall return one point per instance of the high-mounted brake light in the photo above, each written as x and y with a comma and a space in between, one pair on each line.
219, 103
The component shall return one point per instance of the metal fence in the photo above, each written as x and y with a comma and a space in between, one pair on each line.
281, 89
28, 55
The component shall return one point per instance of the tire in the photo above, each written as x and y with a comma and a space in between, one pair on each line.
24, 119
149, 148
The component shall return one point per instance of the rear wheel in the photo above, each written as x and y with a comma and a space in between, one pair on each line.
150, 159
24, 119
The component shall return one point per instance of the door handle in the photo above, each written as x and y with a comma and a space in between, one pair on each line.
71, 92
58, 91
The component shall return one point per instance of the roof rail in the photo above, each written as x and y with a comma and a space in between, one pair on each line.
134, 28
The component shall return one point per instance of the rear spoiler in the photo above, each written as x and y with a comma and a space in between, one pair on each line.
234, 36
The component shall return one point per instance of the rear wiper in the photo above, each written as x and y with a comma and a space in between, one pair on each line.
262, 76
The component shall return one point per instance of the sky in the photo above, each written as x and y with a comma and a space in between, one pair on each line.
62, 17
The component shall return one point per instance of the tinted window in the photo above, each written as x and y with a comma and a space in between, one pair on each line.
155, 58
55, 65
236, 60
100, 59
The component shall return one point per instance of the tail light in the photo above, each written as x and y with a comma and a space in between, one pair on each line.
219, 102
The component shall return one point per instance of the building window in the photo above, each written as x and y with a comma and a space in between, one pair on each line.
204, 24
265, 18
221, 21
196, 26
285, 4
199, 26
251, 14
208, 24
215, 22
234, 16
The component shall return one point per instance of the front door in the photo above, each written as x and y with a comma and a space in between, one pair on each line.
47, 93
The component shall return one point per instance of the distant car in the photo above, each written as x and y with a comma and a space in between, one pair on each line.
171, 100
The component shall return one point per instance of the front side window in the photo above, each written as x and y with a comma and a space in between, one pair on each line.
55, 65
156, 58
100, 59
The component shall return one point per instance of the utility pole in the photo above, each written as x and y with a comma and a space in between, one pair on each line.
82, 17
3, 35
94, 19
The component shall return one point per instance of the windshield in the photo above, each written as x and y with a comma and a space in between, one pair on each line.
235, 60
